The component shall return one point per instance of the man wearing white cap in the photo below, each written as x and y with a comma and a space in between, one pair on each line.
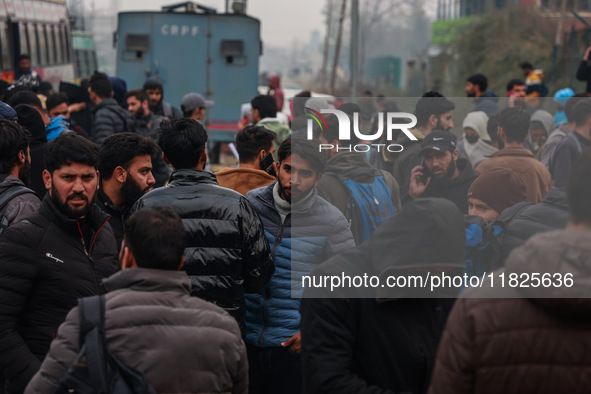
193, 106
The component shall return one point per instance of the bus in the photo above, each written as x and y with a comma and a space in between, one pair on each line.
192, 48
41, 29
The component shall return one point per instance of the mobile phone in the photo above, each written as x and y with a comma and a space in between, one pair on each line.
423, 178
267, 164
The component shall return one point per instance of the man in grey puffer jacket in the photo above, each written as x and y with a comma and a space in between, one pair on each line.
180, 343
109, 118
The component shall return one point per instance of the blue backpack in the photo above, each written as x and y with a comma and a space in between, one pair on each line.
369, 204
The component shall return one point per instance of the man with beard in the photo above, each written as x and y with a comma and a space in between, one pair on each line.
16, 200
433, 111
57, 255
147, 124
303, 230
227, 253
442, 174
125, 165
158, 106
513, 128
516, 92
485, 101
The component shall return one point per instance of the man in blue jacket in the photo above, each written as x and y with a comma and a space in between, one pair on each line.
303, 230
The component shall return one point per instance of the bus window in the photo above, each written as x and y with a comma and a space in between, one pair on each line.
59, 54
41, 40
6, 58
51, 51
34, 50
24, 44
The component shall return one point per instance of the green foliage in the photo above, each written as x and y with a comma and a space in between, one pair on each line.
496, 43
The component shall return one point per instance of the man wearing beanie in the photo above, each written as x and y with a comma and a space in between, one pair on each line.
158, 106
494, 191
475, 145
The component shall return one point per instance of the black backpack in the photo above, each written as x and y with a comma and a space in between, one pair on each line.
5, 197
96, 370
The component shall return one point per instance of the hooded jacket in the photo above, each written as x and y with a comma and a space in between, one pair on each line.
455, 190
109, 118
536, 176
276, 91
379, 340
310, 234
227, 252
180, 338
528, 219
525, 340
18, 207
243, 180
45, 266
162, 109
547, 121
480, 150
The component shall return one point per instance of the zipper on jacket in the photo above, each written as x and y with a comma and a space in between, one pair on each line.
87, 252
267, 289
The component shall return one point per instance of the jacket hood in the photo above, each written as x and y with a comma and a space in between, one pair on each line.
557, 196
119, 88
153, 83
345, 162
143, 279
274, 81
427, 234
477, 121
566, 252
545, 118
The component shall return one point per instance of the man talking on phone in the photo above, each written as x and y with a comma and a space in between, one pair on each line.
255, 146
442, 174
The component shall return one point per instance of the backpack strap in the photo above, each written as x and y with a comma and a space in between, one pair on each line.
14, 191
92, 337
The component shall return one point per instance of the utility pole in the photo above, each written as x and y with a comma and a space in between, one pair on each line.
326, 45
558, 40
337, 50
354, 47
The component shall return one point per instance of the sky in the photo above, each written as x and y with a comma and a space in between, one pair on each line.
282, 21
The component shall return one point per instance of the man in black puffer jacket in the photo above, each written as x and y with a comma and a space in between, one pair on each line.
525, 219
52, 258
227, 252
108, 116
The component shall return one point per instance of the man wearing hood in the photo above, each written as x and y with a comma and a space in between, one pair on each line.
540, 126
517, 339
158, 106
476, 144
442, 174
484, 100
372, 339
276, 91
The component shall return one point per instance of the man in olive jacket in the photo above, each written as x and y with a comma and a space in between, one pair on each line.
180, 343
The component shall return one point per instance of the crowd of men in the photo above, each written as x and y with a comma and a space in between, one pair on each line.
200, 276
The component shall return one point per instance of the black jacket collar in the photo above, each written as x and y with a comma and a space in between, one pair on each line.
191, 176
95, 218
